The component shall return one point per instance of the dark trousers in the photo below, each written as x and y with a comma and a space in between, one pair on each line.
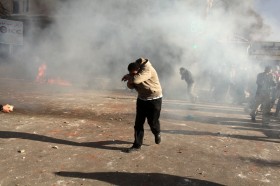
149, 109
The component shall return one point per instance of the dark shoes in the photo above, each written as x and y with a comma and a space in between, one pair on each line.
157, 139
136, 148
253, 117
132, 149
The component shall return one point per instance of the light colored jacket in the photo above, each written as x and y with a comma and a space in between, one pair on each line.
146, 82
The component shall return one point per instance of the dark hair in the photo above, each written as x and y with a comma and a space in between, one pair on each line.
132, 66
267, 68
181, 69
141, 60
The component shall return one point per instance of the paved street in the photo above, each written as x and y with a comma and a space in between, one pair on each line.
65, 136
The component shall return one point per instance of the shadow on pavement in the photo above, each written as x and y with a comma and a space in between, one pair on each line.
270, 131
262, 162
137, 179
42, 138
204, 107
204, 133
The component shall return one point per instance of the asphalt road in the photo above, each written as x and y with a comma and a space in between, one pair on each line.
65, 136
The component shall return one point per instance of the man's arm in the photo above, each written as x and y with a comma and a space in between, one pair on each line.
143, 75
130, 85
129, 79
273, 81
126, 77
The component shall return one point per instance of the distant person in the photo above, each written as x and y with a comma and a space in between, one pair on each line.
188, 77
6, 108
144, 79
265, 84
276, 90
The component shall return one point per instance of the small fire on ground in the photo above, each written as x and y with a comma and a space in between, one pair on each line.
41, 77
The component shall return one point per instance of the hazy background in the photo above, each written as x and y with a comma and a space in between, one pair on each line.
269, 10
93, 41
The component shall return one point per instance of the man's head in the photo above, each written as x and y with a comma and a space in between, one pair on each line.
141, 61
182, 70
267, 69
133, 68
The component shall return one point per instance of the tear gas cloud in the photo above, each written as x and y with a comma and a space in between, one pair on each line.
91, 39
270, 8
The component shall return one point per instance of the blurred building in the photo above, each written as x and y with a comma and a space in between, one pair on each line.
35, 11
28, 7
34, 14
39, 14
250, 39
265, 51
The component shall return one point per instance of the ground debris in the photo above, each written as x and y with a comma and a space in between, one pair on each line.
21, 151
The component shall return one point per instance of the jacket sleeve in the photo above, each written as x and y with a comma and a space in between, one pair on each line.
273, 81
182, 76
142, 76
1, 107
130, 85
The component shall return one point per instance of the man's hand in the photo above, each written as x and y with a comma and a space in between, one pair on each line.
126, 77
8, 108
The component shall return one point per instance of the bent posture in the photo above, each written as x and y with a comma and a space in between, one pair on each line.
144, 79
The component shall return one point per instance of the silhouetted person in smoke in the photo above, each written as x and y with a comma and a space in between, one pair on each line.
188, 77
144, 79
265, 82
276, 90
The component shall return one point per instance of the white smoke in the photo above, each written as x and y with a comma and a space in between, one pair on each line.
92, 39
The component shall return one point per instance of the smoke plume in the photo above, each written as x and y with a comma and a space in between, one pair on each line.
91, 40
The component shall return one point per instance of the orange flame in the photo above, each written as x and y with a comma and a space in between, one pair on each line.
41, 73
53, 81
59, 81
